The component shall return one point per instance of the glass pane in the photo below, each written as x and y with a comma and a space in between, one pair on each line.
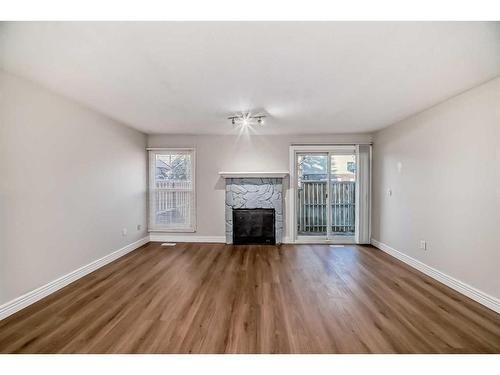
174, 195
173, 167
343, 194
312, 172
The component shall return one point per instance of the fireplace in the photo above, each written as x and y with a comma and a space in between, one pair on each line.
257, 197
254, 226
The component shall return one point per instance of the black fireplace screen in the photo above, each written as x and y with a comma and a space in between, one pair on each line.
254, 226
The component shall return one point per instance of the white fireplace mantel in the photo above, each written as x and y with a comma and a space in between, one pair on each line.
253, 174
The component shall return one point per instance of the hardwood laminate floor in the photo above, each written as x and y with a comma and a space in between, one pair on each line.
215, 298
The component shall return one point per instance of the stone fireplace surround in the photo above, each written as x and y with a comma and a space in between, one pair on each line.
254, 190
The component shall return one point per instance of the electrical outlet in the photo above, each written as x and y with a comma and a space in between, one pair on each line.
423, 245
139, 226
124, 232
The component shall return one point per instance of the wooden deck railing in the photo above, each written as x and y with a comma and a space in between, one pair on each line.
173, 200
312, 207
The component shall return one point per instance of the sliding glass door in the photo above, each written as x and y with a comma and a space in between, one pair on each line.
326, 193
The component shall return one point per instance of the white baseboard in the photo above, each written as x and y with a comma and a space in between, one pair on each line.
461, 287
29, 298
165, 237
316, 241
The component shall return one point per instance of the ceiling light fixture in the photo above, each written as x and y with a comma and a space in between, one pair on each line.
246, 119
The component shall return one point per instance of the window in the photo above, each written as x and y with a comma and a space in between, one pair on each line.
172, 190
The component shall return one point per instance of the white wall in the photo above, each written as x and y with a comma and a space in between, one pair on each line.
246, 153
448, 189
70, 180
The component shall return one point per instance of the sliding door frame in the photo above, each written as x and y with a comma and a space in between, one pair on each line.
292, 225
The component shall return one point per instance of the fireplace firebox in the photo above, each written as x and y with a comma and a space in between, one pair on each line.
254, 226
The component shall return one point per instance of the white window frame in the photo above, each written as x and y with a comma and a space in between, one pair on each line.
152, 152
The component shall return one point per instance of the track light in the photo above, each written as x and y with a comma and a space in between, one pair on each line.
247, 119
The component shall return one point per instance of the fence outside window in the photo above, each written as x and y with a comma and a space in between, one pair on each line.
173, 200
312, 207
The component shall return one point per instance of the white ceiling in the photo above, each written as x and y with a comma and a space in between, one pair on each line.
310, 77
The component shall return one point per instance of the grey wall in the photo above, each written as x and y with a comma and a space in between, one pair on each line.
70, 180
245, 153
447, 189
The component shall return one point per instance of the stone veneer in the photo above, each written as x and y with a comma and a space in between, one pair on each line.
254, 192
